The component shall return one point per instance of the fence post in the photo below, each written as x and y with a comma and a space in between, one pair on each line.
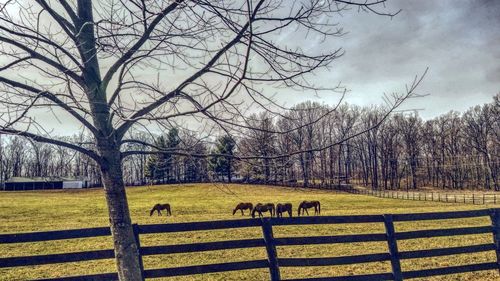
495, 223
393, 248
272, 254
135, 228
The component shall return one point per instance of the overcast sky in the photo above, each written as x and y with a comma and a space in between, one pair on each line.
458, 40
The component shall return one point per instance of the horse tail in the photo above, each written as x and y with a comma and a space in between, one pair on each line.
298, 210
319, 208
168, 210
253, 212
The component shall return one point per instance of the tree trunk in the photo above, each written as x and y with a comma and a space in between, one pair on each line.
229, 172
489, 170
126, 251
304, 170
339, 164
348, 164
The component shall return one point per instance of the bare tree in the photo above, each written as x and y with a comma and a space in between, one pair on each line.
115, 65
480, 134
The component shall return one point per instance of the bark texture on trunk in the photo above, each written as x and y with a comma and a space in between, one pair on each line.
126, 250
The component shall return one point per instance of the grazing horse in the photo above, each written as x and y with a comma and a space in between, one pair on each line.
263, 208
159, 207
309, 204
243, 206
281, 208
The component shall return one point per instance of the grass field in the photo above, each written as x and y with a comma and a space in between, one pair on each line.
56, 210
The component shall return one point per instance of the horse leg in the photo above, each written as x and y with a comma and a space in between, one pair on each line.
241, 211
307, 212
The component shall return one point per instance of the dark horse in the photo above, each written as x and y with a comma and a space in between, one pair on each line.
281, 208
309, 204
263, 208
243, 206
159, 207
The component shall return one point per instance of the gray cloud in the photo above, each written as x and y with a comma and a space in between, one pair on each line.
457, 40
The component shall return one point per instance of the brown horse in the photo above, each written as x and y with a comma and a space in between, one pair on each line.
263, 208
281, 208
159, 208
243, 206
309, 204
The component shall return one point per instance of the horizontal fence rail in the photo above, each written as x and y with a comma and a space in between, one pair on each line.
273, 262
444, 197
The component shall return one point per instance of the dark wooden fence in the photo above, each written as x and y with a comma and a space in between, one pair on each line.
273, 261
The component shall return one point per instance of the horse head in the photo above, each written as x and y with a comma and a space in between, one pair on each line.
257, 208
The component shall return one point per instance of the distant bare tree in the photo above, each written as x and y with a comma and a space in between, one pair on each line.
480, 132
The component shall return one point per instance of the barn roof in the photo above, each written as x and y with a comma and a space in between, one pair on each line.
42, 179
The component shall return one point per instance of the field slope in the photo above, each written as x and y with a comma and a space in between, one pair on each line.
55, 210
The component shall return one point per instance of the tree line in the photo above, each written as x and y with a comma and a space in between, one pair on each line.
404, 152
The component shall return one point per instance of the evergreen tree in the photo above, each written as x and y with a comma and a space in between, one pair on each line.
155, 166
171, 169
223, 165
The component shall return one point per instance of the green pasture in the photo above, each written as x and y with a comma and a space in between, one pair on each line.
61, 209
